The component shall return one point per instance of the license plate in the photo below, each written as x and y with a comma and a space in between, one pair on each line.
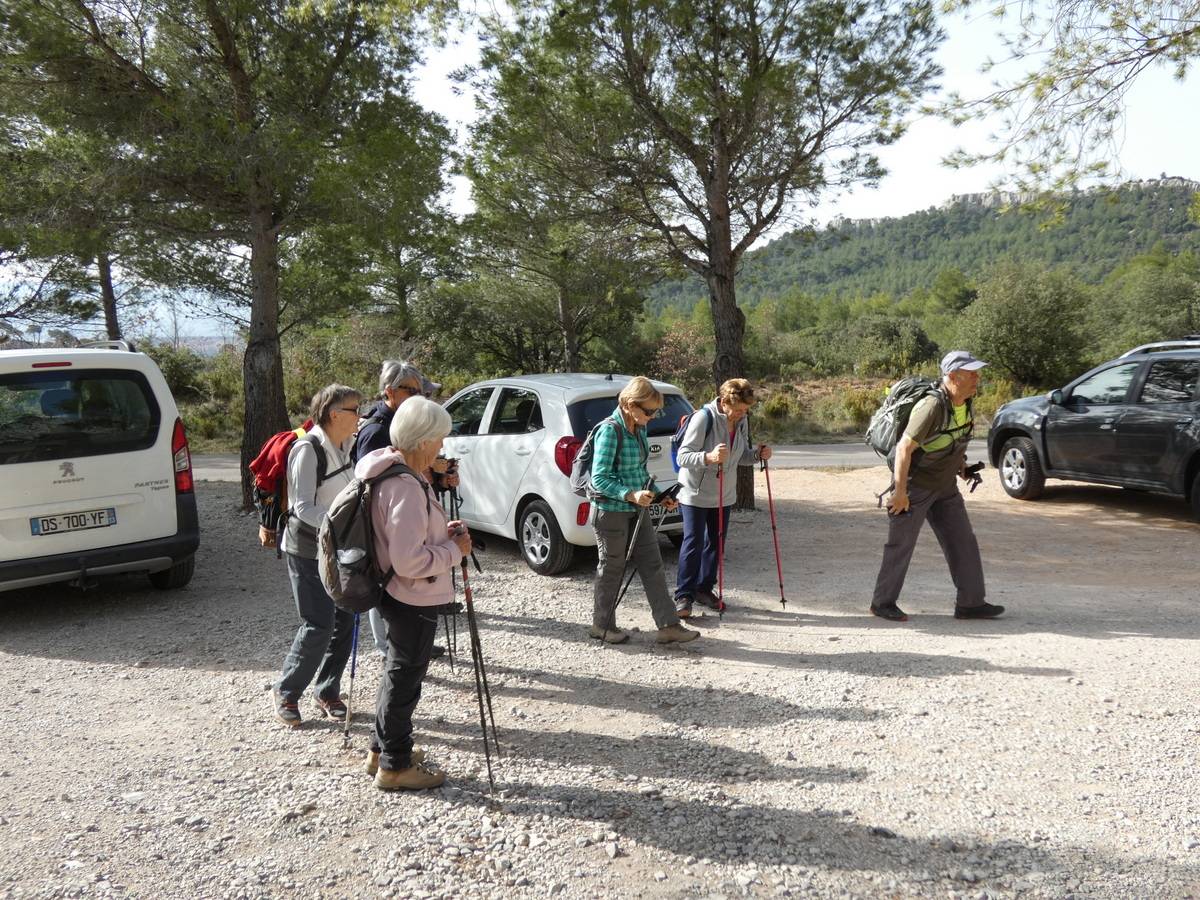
657, 511
80, 521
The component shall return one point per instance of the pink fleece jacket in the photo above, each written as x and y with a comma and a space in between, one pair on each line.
412, 542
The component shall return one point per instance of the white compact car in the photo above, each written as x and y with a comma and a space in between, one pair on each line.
515, 439
95, 474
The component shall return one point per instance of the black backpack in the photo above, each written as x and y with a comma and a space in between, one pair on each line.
346, 544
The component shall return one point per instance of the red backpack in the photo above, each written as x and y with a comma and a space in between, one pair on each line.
269, 469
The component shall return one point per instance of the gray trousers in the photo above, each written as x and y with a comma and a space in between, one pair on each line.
323, 640
947, 515
613, 531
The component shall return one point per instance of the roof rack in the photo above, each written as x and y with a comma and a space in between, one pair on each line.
1191, 343
109, 345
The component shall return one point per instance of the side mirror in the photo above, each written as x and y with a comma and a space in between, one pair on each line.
1055, 398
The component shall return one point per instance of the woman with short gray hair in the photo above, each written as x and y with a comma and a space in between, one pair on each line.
417, 544
318, 468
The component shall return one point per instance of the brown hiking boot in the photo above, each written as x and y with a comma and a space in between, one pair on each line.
610, 635
676, 634
415, 778
418, 756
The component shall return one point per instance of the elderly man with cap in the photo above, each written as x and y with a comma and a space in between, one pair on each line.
930, 456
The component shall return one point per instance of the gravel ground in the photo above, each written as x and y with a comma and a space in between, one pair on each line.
813, 751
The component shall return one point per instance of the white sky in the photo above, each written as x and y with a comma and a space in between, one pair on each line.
1161, 135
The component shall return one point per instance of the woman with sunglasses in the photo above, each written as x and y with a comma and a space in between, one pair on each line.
625, 489
322, 643
715, 442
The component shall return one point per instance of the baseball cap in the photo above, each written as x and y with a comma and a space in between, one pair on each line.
960, 359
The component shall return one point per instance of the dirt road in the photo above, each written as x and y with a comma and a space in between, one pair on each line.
812, 751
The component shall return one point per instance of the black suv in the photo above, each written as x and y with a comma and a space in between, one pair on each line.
1132, 422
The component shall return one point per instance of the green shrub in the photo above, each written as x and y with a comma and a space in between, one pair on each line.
777, 406
993, 394
859, 404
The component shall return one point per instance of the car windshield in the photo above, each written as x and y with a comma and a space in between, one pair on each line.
59, 415
584, 414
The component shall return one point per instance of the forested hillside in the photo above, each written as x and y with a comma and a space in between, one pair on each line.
1098, 231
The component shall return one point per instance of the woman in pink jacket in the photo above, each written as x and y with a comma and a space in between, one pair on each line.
414, 538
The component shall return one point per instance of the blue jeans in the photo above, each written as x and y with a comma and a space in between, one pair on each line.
698, 552
322, 644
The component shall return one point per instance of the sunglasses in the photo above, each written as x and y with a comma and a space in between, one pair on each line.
349, 409
655, 413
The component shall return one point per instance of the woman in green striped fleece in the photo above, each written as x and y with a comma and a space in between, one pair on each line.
619, 476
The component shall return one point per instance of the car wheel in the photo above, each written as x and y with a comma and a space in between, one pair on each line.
1020, 469
1196, 496
176, 576
545, 549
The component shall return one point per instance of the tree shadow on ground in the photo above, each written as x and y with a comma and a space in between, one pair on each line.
650, 757
680, 704
881, 663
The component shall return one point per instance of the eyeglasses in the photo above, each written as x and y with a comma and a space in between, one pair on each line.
411, 391
655, 413
349, 409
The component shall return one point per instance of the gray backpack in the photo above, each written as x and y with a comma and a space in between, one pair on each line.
581, 468
346, 544
890, 420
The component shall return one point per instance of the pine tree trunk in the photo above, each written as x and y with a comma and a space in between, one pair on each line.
262, 369
729, 329
108, 296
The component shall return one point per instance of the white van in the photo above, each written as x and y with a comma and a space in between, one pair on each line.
95, 473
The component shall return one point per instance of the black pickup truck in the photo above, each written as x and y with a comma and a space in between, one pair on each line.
1132, 422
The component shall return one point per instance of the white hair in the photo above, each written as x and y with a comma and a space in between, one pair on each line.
416, 421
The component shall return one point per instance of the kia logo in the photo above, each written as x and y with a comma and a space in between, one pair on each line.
67, 469
656, 448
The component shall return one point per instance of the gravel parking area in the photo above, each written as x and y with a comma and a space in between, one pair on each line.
813, 751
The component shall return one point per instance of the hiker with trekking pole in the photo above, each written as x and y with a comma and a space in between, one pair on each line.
622, 492
710, 444
317, 470
419, 545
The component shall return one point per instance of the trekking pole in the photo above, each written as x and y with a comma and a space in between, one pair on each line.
353, 669
774, 533
629, 550
481, 684
721, 541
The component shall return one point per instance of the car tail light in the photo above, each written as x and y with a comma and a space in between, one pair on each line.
583, 513
565, 452
51, 365
183, 460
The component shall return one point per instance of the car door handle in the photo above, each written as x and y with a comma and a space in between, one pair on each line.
1108, 424
462, 451
1183, 423
522, 451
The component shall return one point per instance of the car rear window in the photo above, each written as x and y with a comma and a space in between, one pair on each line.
60, 415
584, 414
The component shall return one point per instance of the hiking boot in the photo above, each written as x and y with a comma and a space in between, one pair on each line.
683, 607
332, 707
982, 611
415, 778
609, 636
418, 757
286, 711
892, 613
438, 652
676, 634
709, 599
